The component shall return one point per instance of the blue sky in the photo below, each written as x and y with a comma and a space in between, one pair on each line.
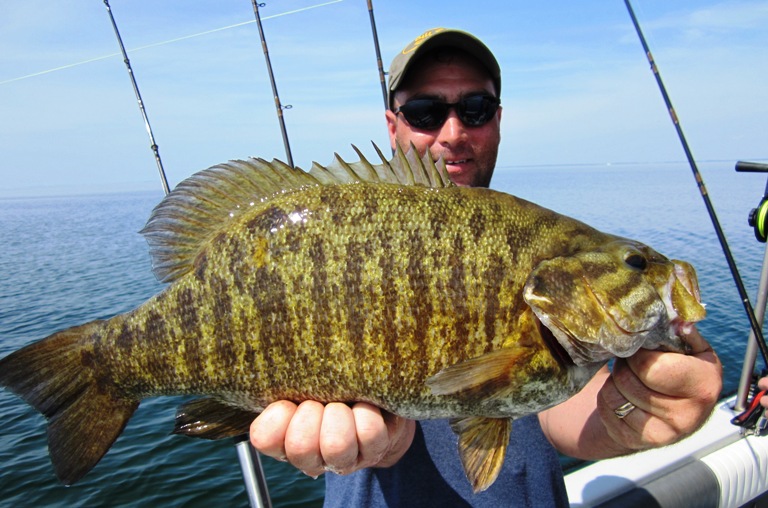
576, 85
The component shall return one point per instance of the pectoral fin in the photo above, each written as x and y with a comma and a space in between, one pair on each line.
212, 419
482, 446
492, 375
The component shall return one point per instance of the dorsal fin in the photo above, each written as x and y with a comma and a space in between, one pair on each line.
203, 204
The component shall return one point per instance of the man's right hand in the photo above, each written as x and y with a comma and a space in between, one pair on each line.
317, 437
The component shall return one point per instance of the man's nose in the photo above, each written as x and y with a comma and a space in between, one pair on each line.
453, 130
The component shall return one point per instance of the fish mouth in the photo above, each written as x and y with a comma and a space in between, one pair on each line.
683, 304
556, 349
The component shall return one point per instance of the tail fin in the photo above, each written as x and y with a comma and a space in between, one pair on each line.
58, 377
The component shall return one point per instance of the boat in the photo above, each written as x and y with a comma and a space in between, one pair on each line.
717, 466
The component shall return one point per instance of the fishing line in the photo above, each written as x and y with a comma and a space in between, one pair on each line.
704, 194
162, 43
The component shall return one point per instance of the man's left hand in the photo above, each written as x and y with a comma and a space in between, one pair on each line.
672, 395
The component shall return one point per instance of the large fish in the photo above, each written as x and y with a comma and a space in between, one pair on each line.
354, 282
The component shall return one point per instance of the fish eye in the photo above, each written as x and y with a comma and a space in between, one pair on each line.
636, 260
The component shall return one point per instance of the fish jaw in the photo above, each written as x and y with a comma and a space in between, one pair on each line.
598, 305
683, 301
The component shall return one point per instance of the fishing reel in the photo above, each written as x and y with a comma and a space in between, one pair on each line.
758, 217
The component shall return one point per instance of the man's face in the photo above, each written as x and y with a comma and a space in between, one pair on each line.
469, 152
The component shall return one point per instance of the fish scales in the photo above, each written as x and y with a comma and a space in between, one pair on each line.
425, 299
336, 303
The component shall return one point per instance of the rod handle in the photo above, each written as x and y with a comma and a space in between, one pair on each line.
751, 167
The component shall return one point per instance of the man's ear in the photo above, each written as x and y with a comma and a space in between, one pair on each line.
391, 127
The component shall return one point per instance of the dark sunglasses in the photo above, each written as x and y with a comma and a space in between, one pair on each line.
430, 114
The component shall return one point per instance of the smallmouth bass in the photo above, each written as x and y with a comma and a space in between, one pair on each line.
356, 282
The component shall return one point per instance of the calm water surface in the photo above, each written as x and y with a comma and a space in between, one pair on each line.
72, 259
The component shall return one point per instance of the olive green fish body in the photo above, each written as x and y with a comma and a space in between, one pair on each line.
308, 297
355, 282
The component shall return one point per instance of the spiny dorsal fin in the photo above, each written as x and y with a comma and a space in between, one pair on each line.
200, 206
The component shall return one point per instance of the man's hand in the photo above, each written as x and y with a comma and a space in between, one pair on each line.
673, 395
317, 438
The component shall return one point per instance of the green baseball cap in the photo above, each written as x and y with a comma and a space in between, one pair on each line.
437, 38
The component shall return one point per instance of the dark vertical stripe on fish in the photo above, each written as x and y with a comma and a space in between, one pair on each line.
187, 311
323, 317
268, 293
390, 301
457, 291
353, 297
478, 222
493, 276
421, 301
221, 307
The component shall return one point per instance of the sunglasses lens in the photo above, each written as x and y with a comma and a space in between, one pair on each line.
430, 114
477, 110
425, 114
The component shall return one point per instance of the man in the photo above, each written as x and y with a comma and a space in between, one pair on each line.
443, 98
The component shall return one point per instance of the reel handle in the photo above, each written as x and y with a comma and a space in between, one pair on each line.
751, 167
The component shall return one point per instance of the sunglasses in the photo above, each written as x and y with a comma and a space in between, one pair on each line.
430, 114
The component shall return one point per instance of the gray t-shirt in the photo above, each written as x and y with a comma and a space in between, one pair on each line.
430, 474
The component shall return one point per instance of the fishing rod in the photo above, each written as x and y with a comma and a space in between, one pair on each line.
153, 145
279, 107
756, 327
250, 463
379, 63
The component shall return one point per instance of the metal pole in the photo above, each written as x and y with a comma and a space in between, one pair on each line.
750, 355
253, 474
153, 145
278, 106
379, 63
756, 328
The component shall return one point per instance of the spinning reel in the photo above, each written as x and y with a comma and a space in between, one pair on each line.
758, 217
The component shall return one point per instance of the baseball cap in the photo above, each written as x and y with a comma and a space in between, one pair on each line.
437, 38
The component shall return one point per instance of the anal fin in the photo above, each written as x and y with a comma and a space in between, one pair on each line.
482, 447
210, 418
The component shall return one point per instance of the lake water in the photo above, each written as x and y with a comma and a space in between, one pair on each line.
67, 260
